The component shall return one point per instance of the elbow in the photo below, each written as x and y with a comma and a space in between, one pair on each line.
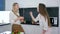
34, 20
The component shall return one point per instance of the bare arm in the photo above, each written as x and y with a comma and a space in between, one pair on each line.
32, 16
34, 19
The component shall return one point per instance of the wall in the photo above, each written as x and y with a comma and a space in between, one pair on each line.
32, 29
30, 3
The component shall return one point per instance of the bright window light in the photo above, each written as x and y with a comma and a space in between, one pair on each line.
4, 16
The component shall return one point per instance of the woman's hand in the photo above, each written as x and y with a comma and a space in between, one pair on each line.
31, 13
21, 18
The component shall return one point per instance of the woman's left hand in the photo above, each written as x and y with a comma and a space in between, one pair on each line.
21, 19
31, 13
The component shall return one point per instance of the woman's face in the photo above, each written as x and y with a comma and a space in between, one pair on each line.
16, 7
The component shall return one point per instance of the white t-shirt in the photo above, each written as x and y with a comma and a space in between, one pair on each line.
43, 23
13, 17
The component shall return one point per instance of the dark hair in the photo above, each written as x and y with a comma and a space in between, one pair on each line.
43, 11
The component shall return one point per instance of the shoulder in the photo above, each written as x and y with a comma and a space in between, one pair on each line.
43, 18
11, 13
38, 15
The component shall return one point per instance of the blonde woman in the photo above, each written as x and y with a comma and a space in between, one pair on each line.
15, 18
14, 14
43, 18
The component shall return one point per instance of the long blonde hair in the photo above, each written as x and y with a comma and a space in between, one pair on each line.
13, 9
43, 11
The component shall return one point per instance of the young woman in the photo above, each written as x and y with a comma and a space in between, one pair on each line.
16, 19
43, 18
14, 14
